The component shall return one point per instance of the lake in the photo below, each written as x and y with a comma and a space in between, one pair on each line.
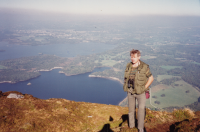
63, 50
80, 87
55, 85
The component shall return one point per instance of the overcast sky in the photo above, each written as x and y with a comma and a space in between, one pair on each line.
109, 7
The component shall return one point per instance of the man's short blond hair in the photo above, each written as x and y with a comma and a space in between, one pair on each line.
133, 51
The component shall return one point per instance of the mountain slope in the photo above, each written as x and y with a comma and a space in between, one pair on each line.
61, 115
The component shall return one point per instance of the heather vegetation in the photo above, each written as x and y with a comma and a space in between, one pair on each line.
33, 114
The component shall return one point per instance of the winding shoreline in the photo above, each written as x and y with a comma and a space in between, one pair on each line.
6, 82
49, 69
81, 73
124, 100
112, 78
33, 77
17, 81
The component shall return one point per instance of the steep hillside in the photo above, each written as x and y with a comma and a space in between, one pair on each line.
61, 115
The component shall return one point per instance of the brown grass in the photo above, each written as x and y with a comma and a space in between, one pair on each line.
61, 115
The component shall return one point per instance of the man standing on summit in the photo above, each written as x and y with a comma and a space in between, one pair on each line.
137, 79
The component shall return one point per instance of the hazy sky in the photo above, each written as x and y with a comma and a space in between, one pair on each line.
110, 7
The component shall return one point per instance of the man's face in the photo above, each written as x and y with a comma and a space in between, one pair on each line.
135, 58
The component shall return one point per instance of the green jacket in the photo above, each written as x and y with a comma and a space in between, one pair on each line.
140, 77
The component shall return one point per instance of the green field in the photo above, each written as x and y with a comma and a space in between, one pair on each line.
148, 57
124, 55
24, 38
170, 67
2, 67
175, 96
108, 62
162, 77
39, 39
196, 63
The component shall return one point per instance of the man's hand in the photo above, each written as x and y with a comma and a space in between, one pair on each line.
130, 90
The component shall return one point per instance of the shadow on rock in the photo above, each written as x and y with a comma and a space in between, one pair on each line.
186, 125
124, 118
106, 128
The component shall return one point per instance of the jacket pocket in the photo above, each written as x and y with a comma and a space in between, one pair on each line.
140, 89
141, 78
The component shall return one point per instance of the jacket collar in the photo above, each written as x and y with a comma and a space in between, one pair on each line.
139, 67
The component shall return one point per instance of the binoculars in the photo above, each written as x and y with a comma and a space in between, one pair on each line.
130, 83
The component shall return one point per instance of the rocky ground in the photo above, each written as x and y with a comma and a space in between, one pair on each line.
61, 115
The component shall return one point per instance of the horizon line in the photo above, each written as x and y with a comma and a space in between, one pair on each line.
21, 10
